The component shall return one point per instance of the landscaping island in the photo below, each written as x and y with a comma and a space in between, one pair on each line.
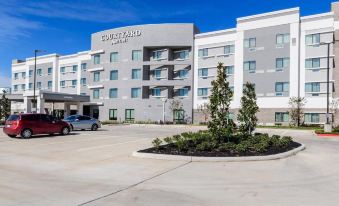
224, 138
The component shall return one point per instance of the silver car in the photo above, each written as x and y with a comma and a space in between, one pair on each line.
82, 122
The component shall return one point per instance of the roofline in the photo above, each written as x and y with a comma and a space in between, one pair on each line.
144, 25
43, 56
268, 14
213, 33
331, 14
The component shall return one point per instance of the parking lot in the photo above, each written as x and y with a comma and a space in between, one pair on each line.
96, 168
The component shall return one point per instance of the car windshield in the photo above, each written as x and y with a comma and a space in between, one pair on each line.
13, 118
71, 118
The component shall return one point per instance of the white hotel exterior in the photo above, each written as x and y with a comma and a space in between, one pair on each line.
125, 79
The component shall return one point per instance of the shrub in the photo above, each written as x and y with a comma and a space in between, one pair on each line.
110, 122
275, 141
336, 129
156, 143
242, 147
285, 141
229, 146
205, 146
168, 140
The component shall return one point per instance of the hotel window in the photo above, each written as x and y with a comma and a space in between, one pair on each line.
281, 63
250, 66
96, 76
30, 86
202, 91
23, 87
83, 94
83, 66
136, 55
49, 85
62, 83
113, 93
178, 115
135, 92
96, 59
75, 68
229, 49
183, 73
281, 117
203, 72
157, 55
181, 55
15, 88
49, 71
183, 92
282, 39
114, 57
156, 92
129, 115
23, 75
74, 83
96, 93
83, 81
16, 76
157, 73
30, 73
136, 73
250, 43
312, 39
311, 117
39, 72
114, 75
312, 63
113, 114
62, 69
229, 70
282, 87
203, 52
38, 85
312, 87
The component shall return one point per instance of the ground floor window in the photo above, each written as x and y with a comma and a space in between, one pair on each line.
129, 115
312, 118
281, 117
113, 114
179, 116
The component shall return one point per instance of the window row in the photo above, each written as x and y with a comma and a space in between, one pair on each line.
30, 73
203, 72
136, 93
227, 50
280, 40
283, 117
30, 86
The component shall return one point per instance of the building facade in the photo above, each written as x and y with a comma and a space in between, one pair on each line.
164, 71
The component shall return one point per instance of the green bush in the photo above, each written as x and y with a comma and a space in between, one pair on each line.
156, 143
336, 129
205, 146
106, 122
168, 140
242, 147
275, 141
285, 141
229, 146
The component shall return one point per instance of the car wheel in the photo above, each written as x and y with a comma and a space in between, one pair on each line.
65, 131
94, 127
12, 136
26, 133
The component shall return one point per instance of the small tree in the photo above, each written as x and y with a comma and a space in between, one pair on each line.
205, 110
296, 110
5, 106
220, 100
249, 108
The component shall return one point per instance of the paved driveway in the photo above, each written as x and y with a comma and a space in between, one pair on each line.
96, 168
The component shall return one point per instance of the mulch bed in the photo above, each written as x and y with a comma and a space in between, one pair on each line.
171, 150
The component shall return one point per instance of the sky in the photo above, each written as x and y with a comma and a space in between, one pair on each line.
65, 26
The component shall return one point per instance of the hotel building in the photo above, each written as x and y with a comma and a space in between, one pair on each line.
164, 71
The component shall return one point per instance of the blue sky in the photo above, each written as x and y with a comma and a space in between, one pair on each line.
65, 27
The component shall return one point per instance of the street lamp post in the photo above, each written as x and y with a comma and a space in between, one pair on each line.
327, 126
34, 80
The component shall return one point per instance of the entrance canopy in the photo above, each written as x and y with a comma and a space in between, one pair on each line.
49, 97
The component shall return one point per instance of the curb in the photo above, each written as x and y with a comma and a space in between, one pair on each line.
218, 159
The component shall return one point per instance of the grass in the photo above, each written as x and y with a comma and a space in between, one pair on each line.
291, 127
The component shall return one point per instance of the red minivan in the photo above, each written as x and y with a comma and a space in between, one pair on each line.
27, 125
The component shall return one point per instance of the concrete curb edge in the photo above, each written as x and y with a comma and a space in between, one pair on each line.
218, 159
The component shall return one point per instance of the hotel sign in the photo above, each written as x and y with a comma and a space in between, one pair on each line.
120, 37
